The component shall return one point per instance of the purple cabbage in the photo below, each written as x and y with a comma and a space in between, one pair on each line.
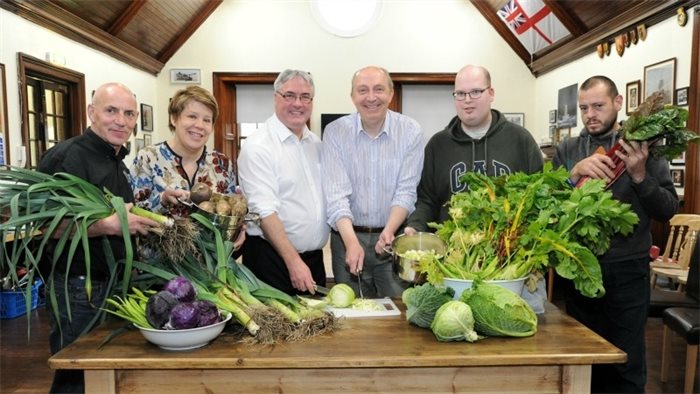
208, 313
158, 308
183, 316
181, 288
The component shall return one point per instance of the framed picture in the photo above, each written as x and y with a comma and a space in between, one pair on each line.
138, 142
678, 161
552, 131
677, 176
682, 96
553, 116
147, 141
516, 117
566, 106
185, 75
661, 76
4, 131
633, 96
146, 117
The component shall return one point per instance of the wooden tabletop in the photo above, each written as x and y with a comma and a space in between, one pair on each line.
365, 342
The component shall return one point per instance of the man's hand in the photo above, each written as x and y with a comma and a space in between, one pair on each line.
354, 256
385, 240
300, 275
596, 166
112, 226
635, 157
409, 230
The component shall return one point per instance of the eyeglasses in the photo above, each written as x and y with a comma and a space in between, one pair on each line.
473, 94
291, 97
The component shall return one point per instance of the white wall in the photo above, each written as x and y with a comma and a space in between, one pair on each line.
411, 36
19, 35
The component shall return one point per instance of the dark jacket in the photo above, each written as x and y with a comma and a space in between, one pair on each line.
654, 198
506, 148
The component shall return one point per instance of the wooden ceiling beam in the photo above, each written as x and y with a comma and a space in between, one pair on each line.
194, 24
643, 12
126, 17
575, 26
55, 18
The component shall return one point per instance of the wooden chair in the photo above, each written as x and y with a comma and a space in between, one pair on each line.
684, 320
661, 299
679, 248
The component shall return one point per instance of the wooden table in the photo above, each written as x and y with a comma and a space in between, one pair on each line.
366, 355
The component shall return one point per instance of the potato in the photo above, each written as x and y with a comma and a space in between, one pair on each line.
207, 206
200, 192
239, 205
223, 208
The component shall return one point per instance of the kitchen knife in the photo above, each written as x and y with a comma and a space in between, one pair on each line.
321, 289
359, 282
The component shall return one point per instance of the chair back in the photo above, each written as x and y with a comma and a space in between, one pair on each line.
692, 287
681, 239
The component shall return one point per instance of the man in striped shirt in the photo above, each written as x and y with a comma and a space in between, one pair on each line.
371, 163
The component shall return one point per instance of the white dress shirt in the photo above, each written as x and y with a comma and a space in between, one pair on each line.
281, 174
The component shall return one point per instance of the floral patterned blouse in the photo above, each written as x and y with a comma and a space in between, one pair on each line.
157, 168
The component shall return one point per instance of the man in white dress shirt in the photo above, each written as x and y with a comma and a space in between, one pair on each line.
371, 165
280, 173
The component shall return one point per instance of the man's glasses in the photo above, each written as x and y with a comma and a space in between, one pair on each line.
473, 94
291, 97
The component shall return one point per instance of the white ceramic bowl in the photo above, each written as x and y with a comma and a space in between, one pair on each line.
459, 285
188, 339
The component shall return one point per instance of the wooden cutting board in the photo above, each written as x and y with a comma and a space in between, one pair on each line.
389, 309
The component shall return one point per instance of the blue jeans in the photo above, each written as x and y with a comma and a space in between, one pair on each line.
378, 277
82, 313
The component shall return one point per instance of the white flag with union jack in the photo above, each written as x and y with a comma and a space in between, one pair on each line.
533, 23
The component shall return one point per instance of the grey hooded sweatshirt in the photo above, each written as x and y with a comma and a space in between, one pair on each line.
506, 148
653, 198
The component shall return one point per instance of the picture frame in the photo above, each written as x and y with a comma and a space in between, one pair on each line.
552, 131
567, 106
678, 161
138, 143
146, 117
661, 76
553, 116
682, 97
633, 96
4, 125
677, 176
185, 75
515, 117
147, 140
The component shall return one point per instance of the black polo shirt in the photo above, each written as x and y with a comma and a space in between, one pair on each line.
91, 158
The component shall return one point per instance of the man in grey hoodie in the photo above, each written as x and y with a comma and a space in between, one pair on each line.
620, 315
478, 139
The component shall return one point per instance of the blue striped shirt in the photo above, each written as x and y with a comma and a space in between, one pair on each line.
364, 177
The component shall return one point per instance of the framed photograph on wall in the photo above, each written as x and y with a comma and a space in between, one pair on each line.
147, 141
4, 132
138, 142
553, 116
185, 75
146, 117
515, 117
566, 106
677, 176
682, 96
661, 76
633, 96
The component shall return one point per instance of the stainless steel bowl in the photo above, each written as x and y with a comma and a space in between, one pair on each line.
230, 226
405, 268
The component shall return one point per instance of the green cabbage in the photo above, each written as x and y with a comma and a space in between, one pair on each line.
423, 301
454, 322
341, 295
500, 312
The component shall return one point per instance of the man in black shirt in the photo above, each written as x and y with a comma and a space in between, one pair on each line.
96, 156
